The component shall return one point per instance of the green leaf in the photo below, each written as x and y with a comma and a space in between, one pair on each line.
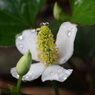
64, 16
14, 90
82, 12
15, 16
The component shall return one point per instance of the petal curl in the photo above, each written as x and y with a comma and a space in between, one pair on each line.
27, 40
56, 72
65, 41
35, 71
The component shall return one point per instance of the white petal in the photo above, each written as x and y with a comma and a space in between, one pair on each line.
27, 40
35, 71
65, 41
14, 73
56, 72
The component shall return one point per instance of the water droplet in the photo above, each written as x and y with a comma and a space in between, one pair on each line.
60, 75
59, 70
52, 73
33, 30
17, 76
72, 29
69, 71
56, 68
32, 76
20, 45
65, 25
64, 77
20, 37
68, 33
64, 60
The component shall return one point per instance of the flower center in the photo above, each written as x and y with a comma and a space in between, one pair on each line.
46, 47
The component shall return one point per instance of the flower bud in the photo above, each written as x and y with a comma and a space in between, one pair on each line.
24, 63
56, 11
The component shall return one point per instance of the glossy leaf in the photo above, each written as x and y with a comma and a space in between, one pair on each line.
15, 16
82, 12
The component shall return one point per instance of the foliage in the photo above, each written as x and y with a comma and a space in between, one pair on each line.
82, 12
15, 16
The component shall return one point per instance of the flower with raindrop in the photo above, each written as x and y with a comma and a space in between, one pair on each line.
50, 54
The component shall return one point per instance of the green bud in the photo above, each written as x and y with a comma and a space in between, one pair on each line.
56, 11
24, 63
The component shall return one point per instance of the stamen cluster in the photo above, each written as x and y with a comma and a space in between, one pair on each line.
46, 47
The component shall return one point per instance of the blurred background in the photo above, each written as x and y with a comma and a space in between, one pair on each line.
82, 80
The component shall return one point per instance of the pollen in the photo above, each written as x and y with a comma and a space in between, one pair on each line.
46, 46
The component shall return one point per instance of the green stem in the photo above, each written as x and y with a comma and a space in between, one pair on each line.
19, 83
55, 88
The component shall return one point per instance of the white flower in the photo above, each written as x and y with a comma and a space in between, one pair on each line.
65, 44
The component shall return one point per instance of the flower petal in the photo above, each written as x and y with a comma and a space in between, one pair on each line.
65, 41
14, 73
56, 72
35, 71
27, 40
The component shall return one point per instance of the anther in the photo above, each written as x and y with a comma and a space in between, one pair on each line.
42, 24
38, 29
47, 24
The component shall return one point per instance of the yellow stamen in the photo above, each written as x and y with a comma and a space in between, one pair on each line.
46, 46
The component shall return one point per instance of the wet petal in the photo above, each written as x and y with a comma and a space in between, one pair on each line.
56, 72
14, 73
27, 40
35, 71
65, 41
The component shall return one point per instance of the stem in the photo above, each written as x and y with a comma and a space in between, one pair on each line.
19, 83
55, 88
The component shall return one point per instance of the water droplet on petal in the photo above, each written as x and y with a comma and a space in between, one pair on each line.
17, 76
60, 70
60, 75
68, 72
56, 68
68, 33
20, 37
64, 60
33, 30
20, 45
64, 77
65, 25
72, 29
31, 76
52, 73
